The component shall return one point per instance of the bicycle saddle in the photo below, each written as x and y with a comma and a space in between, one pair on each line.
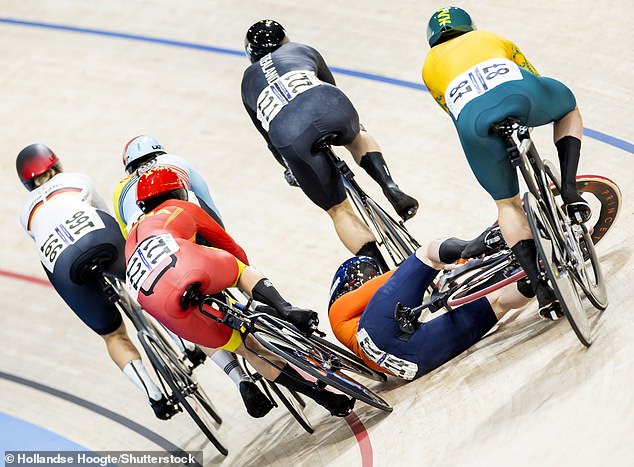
100, 256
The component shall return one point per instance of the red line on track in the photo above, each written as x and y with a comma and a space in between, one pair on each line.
363, 439
25, 278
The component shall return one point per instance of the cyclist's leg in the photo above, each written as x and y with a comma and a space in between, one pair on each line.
486, 154
319, 180
367, 153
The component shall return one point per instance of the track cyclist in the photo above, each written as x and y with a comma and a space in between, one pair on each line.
163, 262
140, 154
66, 217
363, 316
291, 96
480, 78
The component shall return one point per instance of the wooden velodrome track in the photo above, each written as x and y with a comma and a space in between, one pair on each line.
530, 394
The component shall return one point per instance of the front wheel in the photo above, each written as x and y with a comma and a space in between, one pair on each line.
554, 258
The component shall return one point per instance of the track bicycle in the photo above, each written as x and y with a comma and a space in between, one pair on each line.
390, 233
481, 276
567, 256
322, 360
175, 375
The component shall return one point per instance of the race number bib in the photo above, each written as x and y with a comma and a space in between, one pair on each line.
280, 92
66, 233
150, 260
397, 366
478, 80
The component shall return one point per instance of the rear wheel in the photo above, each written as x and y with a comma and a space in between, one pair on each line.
184, 389
294, 403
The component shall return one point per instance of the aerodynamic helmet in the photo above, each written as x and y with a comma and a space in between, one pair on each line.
33, 161
264, 37
138, 150
351, 275
156, 186
447, 23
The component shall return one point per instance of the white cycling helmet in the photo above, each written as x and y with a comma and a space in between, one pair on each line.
138, 150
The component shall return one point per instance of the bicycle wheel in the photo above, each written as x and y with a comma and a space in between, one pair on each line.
317, 362
554, 258
294, 403
586, 268
603, 195
349, 361
185, 390
490, 276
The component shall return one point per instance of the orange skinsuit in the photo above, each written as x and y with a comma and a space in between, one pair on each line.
345, 313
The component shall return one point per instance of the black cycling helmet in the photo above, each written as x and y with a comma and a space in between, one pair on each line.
264, 37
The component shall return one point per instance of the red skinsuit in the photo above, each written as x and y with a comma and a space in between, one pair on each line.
215, 268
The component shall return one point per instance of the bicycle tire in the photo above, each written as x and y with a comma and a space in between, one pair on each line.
488, 278
183, 387
554, 264
587, 269
293, 404
303, 354
357, 365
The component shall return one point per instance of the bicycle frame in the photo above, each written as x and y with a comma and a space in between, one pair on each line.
390, 233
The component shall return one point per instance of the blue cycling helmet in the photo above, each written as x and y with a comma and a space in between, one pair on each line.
351, 275
447, 23
264, 37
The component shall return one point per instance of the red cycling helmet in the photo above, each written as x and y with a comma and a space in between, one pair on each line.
33, 161
156, 186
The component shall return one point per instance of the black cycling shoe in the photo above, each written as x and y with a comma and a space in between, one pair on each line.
163, 409
404, 205
576, 207
195, 356
338, 405
489, 241
256, 403
549, 306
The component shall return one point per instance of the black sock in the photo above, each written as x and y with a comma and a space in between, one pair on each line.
374, 164
295, 382
569, 152
371, 249
525, 252
450, 250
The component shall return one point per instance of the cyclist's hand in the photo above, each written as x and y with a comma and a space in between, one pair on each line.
290, 178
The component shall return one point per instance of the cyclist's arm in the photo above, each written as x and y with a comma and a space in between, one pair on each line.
323, 72
117, 201
265, 135
213, 232
429, 78
519, 58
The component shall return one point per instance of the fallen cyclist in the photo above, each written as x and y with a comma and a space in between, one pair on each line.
365, 318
